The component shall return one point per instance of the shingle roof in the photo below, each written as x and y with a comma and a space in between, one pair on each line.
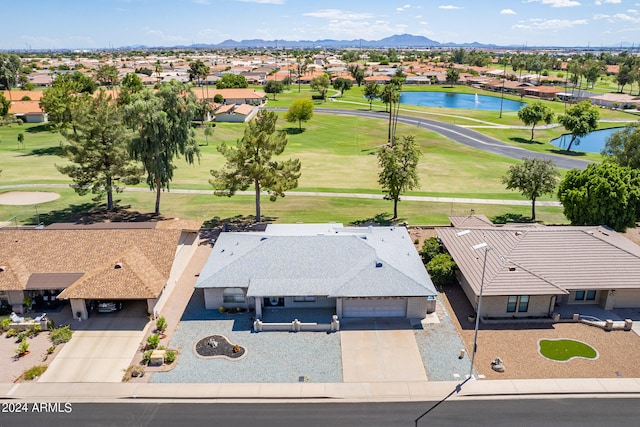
146, 257
544, 260
354, 262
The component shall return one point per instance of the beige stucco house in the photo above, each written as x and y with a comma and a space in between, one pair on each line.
529, 270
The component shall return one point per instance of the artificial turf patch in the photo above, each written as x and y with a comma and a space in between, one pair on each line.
563, 350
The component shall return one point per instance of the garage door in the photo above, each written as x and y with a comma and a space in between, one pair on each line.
627, 298
371, 307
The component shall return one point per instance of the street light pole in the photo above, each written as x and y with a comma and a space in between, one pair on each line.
479, 305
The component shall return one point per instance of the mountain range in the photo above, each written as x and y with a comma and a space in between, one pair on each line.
395, 41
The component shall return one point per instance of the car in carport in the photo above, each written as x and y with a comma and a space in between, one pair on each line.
108, 306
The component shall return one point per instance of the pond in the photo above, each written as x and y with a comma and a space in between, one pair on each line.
592, 142
465, 101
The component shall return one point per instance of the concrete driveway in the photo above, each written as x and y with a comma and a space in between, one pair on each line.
102, 347
380, 350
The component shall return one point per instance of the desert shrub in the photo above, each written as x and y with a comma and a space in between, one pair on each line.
23, 347
442, 269
169, 356
146, 357
153, 341
34, 372
5, 324
60, 335
161, 324
51, 349
12, 333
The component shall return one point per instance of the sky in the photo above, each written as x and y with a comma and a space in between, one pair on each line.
94, 24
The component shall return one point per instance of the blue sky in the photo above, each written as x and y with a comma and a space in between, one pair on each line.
47, 24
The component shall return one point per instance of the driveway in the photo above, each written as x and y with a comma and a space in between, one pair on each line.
101, 348
380, 350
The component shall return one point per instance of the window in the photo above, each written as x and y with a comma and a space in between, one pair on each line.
580, 295
591, 295
518, 303
235, 295
304, 299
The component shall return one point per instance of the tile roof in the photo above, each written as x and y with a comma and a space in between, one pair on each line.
145, 255
544, 260
343, 262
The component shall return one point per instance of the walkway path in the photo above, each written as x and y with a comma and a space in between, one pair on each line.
328, 194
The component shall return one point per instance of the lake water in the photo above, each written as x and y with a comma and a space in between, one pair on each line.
592, 142
458, 100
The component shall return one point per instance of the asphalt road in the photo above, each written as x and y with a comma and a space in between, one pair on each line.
591, 412
462, 135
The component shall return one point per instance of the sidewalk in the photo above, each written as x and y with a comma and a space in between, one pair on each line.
353, 392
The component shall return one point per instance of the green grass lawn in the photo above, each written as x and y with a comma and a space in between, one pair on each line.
564, 350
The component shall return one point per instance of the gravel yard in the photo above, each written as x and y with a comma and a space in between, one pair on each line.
517, 346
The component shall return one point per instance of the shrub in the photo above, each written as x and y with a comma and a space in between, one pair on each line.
34, 372
222, 309
236, 348
146, 357
169, 356
23, 347
37, 329
12, 333
5, 324
161, 324
51, 349
50, 324
430, 248
60, 335
442, 269
153, 341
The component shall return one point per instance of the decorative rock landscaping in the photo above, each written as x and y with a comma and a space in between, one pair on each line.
219, 346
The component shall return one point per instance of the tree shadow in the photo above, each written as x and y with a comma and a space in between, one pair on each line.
294, 131
524, 141
383, 218
91, 213
239, 223
49, 151
510, 217
568, 153
39, 128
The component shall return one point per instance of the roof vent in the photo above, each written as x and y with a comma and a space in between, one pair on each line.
263, 238
512, 269
118, 266
518, 233
378, 264
3, 268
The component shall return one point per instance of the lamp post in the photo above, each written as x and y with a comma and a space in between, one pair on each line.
479, 304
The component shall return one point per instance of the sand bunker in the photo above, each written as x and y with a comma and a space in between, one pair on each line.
27, 197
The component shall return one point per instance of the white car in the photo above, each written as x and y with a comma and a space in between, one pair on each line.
109, 306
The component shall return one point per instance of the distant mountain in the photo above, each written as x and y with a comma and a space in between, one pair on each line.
402, 40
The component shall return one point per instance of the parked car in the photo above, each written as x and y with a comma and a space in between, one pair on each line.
109, 306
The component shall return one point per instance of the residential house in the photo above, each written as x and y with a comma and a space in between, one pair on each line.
355, 271
526, 271
102, 261
235, 113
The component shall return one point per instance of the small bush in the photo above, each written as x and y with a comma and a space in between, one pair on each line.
50, 324
60, 335
5, 324
442, 269
12, 333
51, 349
222, 309
146, 357
169, 357
34, 372
430, 248
23, 347
22, 335
236, 348
161, 324
37, 329
153, 341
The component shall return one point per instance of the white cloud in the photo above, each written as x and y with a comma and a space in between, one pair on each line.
618, 17
423, 23
632, 11
601, 2
507, 12
403, 8
338, 14
557, 3
159, 34
548, 24
263, 1
450, 7
202, 2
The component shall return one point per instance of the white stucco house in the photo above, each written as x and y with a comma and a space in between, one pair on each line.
357, 271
